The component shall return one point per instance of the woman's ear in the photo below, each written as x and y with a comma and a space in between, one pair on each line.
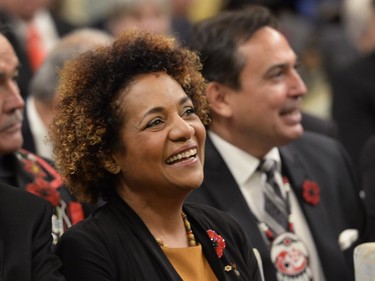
110, 164
217, 96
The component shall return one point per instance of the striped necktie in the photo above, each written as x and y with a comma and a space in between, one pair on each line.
275, 207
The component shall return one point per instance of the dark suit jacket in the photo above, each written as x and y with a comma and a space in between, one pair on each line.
25, 238
353, 104
115, 244
367, 168
26, 72
313, 157
316, 124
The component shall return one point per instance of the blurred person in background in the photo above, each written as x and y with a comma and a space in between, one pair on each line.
33, 30
146, 15
353, 104
42, 97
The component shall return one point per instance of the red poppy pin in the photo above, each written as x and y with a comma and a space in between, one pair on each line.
217, 241
311, 192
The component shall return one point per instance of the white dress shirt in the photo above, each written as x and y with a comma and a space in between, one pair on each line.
38, 130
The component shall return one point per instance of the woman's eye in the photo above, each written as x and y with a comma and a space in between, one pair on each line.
190, 111
154, 123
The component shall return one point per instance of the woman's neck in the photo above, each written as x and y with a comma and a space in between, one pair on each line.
163, 218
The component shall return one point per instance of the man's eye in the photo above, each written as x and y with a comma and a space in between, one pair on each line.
277, 73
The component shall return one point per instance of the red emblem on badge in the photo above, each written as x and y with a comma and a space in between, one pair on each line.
290, 257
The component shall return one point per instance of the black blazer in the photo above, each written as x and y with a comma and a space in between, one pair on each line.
114, 244
25, 238
313, 157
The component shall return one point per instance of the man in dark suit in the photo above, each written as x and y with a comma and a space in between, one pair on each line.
18, 17
303, 213
21, 168
25, 238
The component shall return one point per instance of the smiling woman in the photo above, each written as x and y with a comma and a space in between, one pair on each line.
129, 128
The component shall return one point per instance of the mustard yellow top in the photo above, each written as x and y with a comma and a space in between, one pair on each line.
190, 263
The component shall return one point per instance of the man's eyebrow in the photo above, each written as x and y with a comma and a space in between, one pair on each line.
16, 70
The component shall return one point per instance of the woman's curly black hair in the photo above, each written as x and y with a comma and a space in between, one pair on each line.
88, 119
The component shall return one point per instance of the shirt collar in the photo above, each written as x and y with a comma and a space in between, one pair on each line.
241, 164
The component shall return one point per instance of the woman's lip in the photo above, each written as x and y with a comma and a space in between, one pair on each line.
191, 151
183, 149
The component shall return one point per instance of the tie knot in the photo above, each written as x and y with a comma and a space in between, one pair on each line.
267, 166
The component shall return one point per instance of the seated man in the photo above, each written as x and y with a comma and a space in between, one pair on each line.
19, 167
292, 191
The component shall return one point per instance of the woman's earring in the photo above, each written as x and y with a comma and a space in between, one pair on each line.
114, 169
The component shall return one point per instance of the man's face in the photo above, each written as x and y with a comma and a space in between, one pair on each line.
11, 102
266, 109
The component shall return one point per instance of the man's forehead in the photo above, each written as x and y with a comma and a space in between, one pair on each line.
8, 58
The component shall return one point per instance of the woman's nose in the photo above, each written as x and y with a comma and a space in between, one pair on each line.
181, 130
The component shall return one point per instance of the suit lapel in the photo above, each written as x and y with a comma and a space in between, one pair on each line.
229, 197
316, 216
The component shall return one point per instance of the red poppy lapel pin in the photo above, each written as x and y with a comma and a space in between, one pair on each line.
217, 241
311, 192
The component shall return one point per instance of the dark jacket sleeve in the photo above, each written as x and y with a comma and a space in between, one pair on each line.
84, 257
45, 264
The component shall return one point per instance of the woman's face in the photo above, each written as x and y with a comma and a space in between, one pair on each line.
163, 138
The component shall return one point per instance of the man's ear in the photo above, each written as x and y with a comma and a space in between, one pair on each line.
217, 97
